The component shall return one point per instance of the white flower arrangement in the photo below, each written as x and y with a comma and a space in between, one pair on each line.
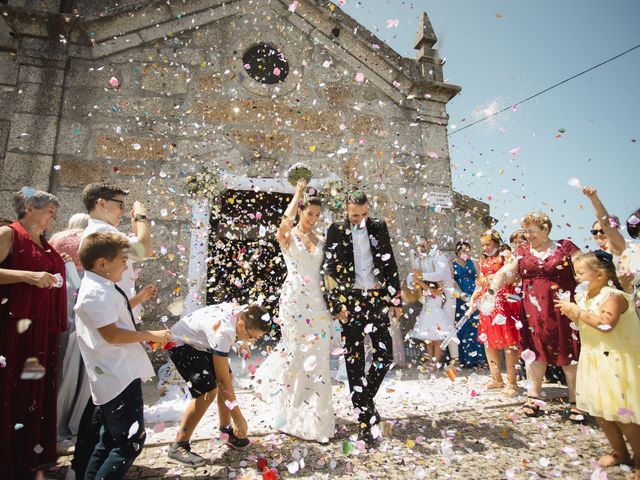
298, 171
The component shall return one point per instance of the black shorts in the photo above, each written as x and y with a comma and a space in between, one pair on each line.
196, 367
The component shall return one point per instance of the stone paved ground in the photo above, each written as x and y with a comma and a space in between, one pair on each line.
436, 429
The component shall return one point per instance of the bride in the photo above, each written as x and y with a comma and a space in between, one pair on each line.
295, 379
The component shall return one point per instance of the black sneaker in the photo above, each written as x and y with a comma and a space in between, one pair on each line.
180, 452
367, 437
233, 441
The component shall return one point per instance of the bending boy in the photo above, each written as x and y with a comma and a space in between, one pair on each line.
204, 339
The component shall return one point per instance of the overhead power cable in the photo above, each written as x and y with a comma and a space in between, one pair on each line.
544, 91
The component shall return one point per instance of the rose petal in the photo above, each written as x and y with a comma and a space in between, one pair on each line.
310, 363
528, 356
574, 182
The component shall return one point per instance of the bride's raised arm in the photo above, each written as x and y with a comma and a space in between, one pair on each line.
283, 235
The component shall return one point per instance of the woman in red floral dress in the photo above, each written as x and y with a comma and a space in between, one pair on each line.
498, 328
547, 336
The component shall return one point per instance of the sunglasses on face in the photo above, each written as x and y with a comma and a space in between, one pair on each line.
597, 232
121, 202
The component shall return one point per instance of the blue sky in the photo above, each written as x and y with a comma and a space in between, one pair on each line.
502, 51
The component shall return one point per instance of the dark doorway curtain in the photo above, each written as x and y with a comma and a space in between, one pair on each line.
245, 262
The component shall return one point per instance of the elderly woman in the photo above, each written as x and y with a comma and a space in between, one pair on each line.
547, 336
73, 383
33, 311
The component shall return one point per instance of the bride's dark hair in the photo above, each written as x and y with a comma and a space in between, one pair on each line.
306, 201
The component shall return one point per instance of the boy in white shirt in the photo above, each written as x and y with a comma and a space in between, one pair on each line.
204, 339
113, 355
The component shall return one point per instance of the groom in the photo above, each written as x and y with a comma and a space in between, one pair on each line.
362, 288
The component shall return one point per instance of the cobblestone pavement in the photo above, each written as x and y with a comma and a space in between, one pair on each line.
435, 428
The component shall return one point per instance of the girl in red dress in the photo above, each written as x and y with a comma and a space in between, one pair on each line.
497, 329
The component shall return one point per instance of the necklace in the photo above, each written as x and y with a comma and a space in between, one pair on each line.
543, 253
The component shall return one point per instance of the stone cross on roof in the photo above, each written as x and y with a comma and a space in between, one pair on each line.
426, 37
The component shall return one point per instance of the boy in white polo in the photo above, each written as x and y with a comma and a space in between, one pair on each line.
204, 339
113, 355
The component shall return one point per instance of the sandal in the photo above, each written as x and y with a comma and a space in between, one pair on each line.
532, 407
511, 391
494, 385
575, 416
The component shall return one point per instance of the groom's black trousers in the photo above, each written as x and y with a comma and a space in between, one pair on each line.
368, 315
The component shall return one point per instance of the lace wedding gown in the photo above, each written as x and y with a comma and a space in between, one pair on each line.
295, 379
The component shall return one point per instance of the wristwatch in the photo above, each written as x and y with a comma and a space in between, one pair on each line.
140, 218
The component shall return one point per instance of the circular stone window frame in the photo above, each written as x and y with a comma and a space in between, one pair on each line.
269, 56
248, 83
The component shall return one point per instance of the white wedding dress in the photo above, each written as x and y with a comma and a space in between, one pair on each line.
295, 379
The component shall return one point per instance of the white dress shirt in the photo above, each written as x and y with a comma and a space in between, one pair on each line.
128, 282
111, 367
363, 260
435, 267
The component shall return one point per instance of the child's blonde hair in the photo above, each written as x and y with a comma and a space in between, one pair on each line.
603, 262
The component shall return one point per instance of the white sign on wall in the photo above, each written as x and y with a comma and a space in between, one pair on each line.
442, 199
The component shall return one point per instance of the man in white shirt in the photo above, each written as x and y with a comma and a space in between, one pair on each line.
105, 204
203, 341
113, 355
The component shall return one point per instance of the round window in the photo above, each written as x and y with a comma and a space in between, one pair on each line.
266, 64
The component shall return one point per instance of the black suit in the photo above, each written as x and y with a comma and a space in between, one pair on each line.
368, 311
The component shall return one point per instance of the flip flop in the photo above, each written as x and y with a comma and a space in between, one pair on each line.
575, 416
493, 385
531, 407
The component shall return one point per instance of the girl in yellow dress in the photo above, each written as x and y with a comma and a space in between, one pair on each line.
608, 379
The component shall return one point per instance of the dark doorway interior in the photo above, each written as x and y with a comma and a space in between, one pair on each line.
245, 261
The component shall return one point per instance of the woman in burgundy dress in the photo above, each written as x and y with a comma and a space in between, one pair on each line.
547, 336
33, 311
497, 329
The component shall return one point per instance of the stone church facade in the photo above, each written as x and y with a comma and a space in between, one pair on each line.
145, 93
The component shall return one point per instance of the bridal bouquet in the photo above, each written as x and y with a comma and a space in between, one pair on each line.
296, 172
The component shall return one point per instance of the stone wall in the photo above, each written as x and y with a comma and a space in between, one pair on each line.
184, 100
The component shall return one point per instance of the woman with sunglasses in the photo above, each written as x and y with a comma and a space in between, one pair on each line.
626, 255
605, 228
608, 236
600, 236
